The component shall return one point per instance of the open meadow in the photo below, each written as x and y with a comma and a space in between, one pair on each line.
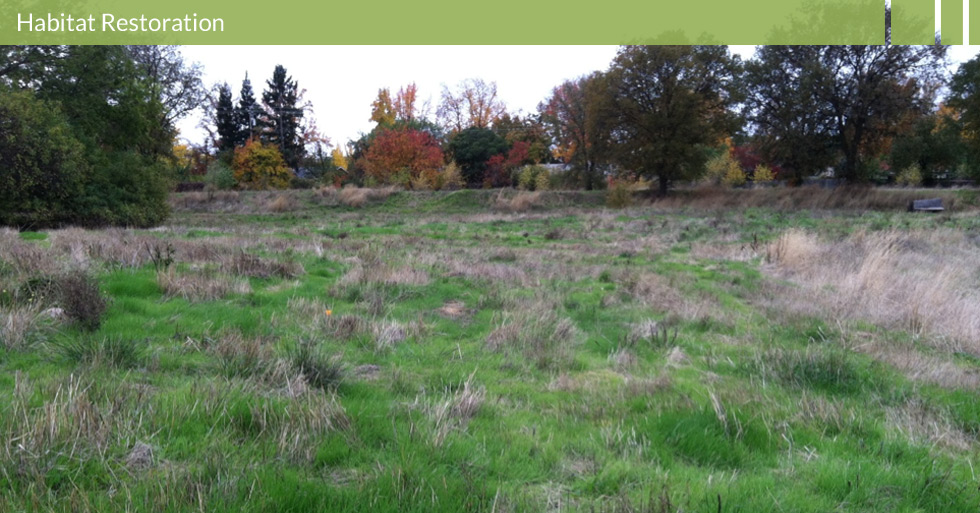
380, 350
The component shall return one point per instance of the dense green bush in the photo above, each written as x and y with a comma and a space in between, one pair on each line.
220, 176
42, 170
86, 141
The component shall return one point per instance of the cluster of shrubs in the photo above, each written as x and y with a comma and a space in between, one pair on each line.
725, 170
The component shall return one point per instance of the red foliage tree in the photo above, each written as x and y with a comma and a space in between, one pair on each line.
399, 155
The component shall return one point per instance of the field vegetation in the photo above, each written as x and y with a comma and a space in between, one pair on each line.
383, 350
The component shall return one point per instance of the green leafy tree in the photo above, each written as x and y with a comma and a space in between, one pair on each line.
115, 113
934, 146
669, 105
780, 84
965, 98
42, 170
281, 120
472, 148
175, 82
851, 99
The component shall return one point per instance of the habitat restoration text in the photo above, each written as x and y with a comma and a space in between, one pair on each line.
110, 23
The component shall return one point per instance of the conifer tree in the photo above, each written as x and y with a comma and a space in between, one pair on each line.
247, 114
225, 116
280, 122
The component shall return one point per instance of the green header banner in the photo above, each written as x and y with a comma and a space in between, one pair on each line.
454, 22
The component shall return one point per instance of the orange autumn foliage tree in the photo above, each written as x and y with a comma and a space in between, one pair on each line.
404, 105
260, 166
399, 156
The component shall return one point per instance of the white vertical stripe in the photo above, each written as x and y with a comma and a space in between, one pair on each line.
939, 18
966, 22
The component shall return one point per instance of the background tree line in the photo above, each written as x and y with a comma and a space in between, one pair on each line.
89, 131
668, 114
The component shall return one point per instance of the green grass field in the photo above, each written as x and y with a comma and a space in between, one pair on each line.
468, 351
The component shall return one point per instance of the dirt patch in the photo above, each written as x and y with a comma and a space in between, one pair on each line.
454, 310
367, 372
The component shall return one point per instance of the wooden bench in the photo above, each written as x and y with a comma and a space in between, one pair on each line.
926, 205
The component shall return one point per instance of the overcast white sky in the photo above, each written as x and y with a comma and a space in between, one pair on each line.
342, 81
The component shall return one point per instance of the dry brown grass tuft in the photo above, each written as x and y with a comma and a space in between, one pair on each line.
454, 411
353, 196
623, 359
24, 327
282, 203
327, 196
76, 423
200, 286
245, 264
243, 356
534, 330
924, 283
801, 198
919, 366
387, 334
521, 202
923, 424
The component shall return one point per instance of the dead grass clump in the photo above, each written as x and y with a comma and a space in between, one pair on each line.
327, 196
347, 326
535, 331
23, 327
387, 334
76, 424
521, 202
81, 300
453, 310
353, 196
241, 356
493, 272
397, 276
802, 198
623, 358
200, 286
639, 387
29, 259
282, 203
244, 264
114, 246
924, 283
455, 410
296, 426
919, 366
205, 201
921, 423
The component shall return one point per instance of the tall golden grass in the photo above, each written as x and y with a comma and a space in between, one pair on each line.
921, 282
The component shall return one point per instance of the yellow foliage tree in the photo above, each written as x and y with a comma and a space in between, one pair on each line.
382, 111
339, 160
260, 166
763, 173
723, 169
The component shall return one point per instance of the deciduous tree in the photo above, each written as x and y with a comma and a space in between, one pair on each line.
826, 103
401, 155
472, 148
572, 115
258, 165
669, 104
474, 103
